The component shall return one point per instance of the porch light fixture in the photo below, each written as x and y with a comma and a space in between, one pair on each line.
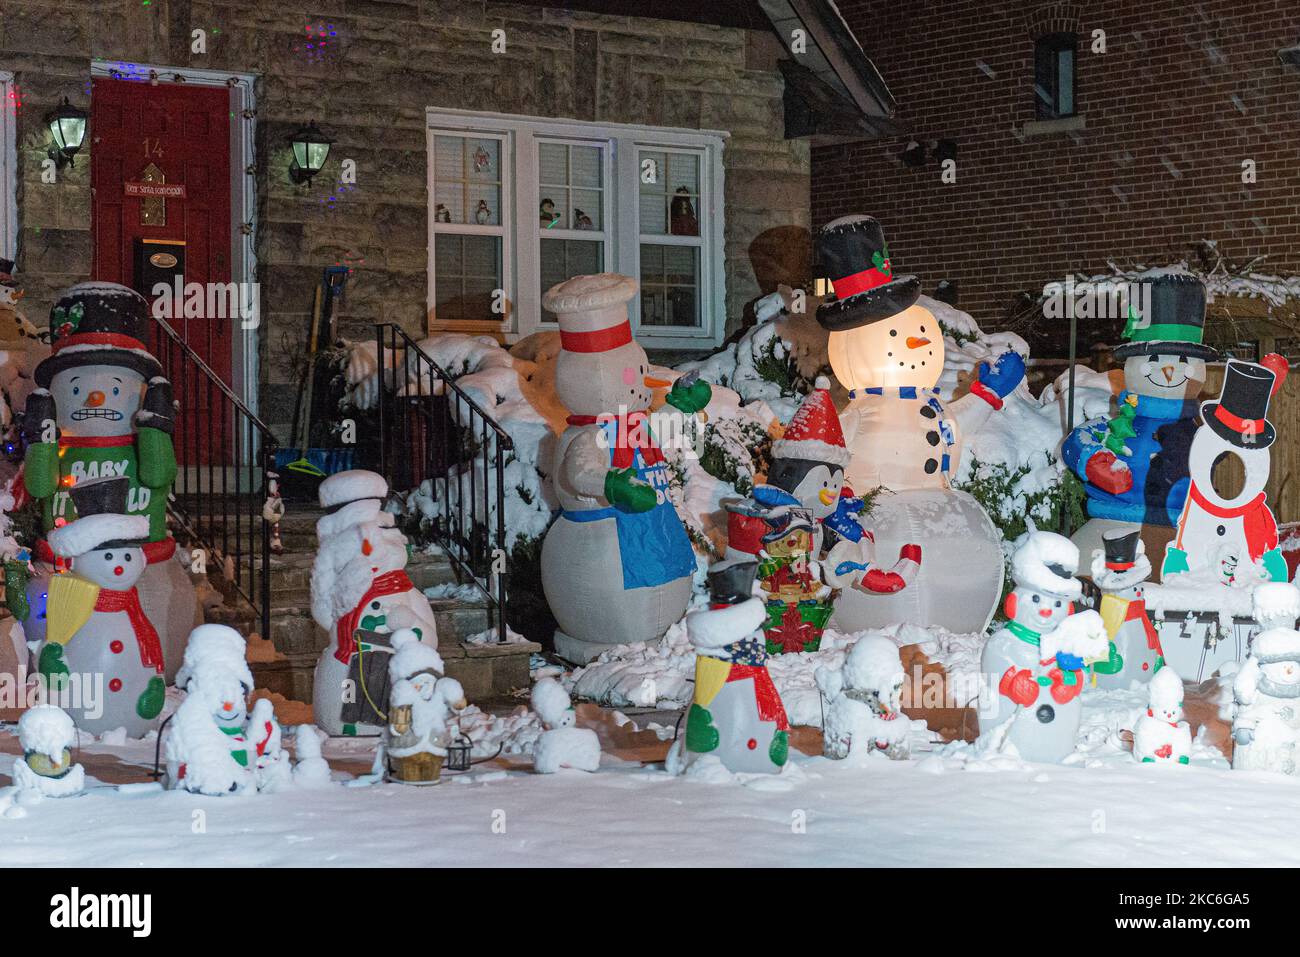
311, 148
67, 126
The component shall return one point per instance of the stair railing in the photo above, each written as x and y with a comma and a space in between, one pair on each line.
432, 429
225, 455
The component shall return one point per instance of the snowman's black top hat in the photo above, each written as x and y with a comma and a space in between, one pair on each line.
1121, 548
851, 252
1239, 415
99, 323
1176, 323
7, 273
731, 583
102, 520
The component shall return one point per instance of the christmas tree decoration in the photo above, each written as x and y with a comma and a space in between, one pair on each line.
1266, 704
98, 631
1035, 662
1219, 538
421, 704
1120, 569
1161, 736
208, 745
561, 745
358, 582
1134, 466
864, 702
888, 351
736, 713
102, 408
617, 562
47, 736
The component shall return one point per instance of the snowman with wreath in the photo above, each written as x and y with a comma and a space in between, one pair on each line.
888, 351
102, 409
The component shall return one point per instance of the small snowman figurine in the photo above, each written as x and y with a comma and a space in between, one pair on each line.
207, 745
96, 626
1266, 696
1120, 569
736, 714
1036, 674
864, 712
271, 767
421, 703
47, 735
1161, 736
561, 745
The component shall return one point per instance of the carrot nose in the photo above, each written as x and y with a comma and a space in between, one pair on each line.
1169, 373
227, 706
95, 400
20, 293
366, 547
657, 383
915, 342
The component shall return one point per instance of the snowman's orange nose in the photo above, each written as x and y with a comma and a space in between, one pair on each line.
366, 547
227, 706
654, 383
95, 400
915, 342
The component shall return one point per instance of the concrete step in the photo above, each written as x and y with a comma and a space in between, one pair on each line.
291, 572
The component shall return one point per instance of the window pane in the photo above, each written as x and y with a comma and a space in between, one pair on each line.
585, 166
467, 273
654, 215
553, 209
1065, 83
586, 210
552, 164
563, 259
670, 285
653, 171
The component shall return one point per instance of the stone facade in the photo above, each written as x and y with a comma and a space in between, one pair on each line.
369, 86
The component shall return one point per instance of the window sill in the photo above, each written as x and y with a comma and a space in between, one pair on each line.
1066, 124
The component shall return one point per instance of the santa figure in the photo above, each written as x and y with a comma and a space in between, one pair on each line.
1223, 537
1120, 569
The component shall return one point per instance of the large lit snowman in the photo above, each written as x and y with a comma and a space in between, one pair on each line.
103, 409
888, 351
617, 562
1226, 538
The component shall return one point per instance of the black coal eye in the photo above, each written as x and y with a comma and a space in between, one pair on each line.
1220, 530
923, 328
1035, 599
1058, 604
108, 556
127, 557
893, 332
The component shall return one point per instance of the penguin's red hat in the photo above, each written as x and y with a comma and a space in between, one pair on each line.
814, 433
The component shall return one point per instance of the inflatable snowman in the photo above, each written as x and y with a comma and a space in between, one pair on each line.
888, 352
1034, 665
1221, 539
1134, 465
617, 562
1266, 696
358, 582
736, 714
1120, 569
1161, 736
103, 409
99, 642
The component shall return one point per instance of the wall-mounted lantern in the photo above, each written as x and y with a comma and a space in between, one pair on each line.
311, 148
67, 126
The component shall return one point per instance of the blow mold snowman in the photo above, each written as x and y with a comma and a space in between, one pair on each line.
617, 562
1224, 538
103, 409
888, 351
1135, 465
1120, 569
100, 647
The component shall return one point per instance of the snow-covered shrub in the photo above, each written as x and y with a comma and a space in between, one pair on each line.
734, 451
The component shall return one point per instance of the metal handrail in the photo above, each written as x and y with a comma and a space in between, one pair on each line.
428, 429
228, 522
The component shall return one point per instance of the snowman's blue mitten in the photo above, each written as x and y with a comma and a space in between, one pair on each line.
995, 382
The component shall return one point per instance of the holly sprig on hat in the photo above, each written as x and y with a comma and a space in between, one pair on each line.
880, 259
66, 319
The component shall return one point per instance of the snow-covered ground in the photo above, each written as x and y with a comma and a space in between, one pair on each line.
953, 806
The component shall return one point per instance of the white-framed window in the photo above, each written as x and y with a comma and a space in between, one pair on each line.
8, 167
562, 198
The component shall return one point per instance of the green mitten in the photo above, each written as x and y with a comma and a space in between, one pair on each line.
689, 398
150, 702
779, 749
1112, 665
157, 458
41, 470
627, 492
52, 666
701, 736
16, 589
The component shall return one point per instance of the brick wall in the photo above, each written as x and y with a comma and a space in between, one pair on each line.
391, 60
1184, 93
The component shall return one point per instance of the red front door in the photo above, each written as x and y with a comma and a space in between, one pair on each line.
177, 135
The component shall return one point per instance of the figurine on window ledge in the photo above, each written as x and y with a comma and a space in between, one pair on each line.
581, 220
683, 221
482, 215
546, 213
441, 213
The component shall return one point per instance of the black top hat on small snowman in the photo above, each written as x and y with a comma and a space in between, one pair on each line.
1124, 564
731, 583
102, 520
1239, 415
99, 323
1121, 548
851, 252
1176, 323
7, 273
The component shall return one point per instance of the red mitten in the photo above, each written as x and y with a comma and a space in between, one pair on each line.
1019, 686
1061, 692
1104, 472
